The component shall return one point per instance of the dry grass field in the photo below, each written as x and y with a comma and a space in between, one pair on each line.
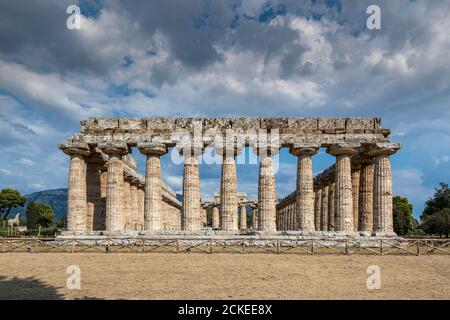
222, 276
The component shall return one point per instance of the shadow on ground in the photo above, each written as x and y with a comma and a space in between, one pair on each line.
14, 288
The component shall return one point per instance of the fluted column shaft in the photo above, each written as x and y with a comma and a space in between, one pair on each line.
331, 211
255, 219
382, 195
324, 209
93, 191
134, 206
242, 217
304, 208
153, 193
114, 194
266, 195
343, 195
215, 218
365, 222
317, 208
141, 209
355, 197
153, 185
77, 205
228, 195
191, 220
126, 206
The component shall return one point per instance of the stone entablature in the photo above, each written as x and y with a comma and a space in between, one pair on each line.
292, 131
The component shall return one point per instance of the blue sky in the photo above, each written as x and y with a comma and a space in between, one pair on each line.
224, 58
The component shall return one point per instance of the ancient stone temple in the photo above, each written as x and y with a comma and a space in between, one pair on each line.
107, 193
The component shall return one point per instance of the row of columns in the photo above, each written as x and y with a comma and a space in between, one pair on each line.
338, 197
359, 198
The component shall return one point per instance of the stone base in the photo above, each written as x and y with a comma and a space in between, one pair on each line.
219, 234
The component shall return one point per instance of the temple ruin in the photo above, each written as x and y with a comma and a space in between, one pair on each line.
107, 193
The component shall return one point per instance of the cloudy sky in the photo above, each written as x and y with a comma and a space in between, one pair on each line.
221, 58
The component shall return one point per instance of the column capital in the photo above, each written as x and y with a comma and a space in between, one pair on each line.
228, 150
339, 149
97, 157
266, 150
386, 149
114, 148
309, 149
75, 148
151, 148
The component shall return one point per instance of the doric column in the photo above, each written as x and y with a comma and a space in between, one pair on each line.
114, 190
365, 221
242, 217
266, 190
93, 191
191, 214
304, 199
343, 186
153, 185
355, 195
215, 217
331, 207
228, 191
134, 204
126, 208
324, 209
382, 187
100, 221
76, 202
255, 219
317, 208
141, 208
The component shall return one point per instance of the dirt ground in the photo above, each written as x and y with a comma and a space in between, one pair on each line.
221, 276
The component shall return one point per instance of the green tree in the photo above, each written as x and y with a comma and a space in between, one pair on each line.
437, 223
439, 201
402, 215
10, 198
39, 214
